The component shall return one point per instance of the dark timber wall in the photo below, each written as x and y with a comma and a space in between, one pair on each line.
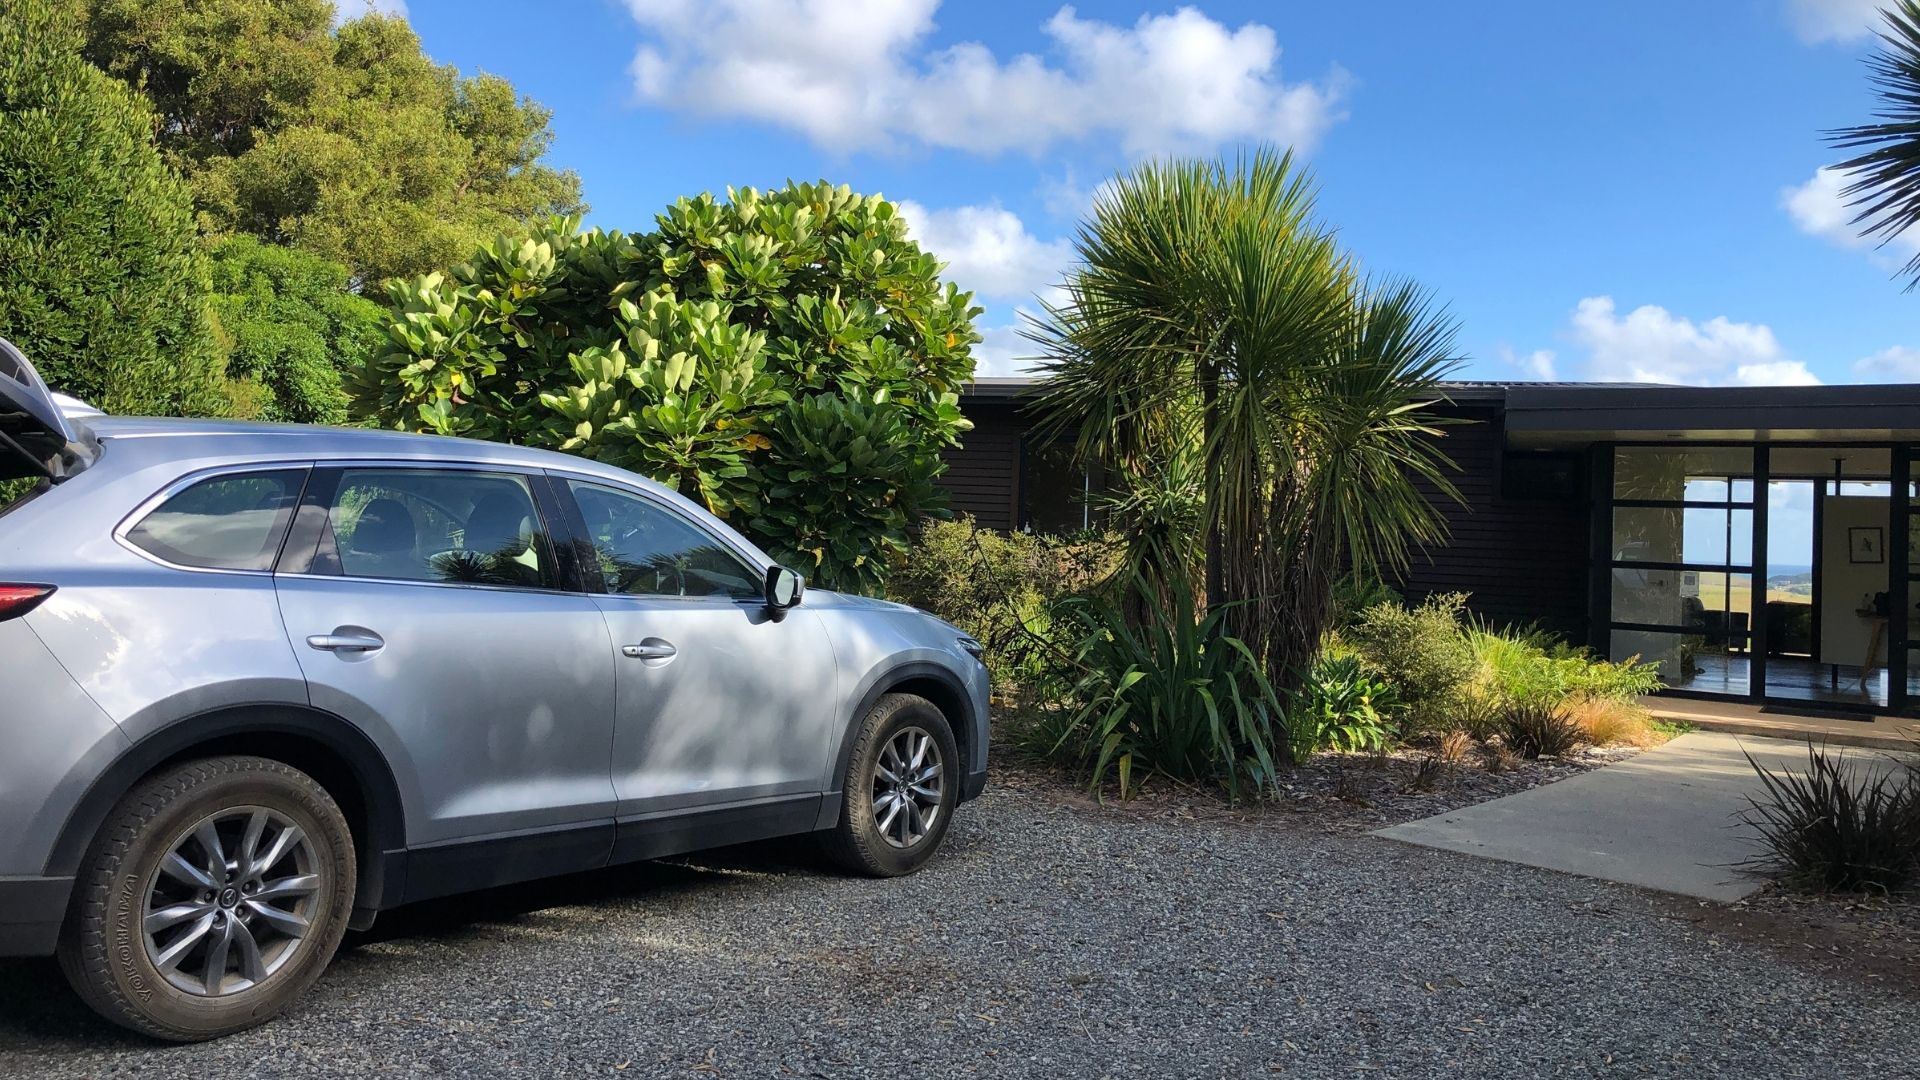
1523, 560
983, 475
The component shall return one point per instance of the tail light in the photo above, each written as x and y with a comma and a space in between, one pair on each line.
17, 600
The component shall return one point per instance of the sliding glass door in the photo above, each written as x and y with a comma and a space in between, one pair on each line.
1782, 573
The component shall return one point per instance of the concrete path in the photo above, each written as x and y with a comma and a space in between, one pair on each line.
1668, 819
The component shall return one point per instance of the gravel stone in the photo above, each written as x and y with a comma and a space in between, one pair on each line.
1052, 937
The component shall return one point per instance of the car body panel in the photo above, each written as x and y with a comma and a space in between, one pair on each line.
743, 710
497, 703
58, 729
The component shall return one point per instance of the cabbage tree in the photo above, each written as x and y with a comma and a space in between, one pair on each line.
1212, 315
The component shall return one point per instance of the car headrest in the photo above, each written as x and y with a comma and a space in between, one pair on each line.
500, 524
386, 527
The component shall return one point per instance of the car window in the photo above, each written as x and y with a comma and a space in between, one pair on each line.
233, 522
648, 550
453, 526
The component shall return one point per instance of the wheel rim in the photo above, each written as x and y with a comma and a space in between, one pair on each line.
232, 901
908, 780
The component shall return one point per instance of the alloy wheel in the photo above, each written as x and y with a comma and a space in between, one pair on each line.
907, 783
231, 902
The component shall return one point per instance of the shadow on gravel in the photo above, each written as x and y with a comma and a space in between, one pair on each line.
36, 1004
509, 905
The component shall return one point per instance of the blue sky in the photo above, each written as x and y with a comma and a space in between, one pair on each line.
1618, 190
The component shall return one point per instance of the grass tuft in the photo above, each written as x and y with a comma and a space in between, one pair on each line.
1838, 828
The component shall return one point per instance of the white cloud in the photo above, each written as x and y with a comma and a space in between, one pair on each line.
1818, 21
348, 10
1003, 351
1819, 209
1651, 344
1538, 364
854, 74
1775, 373
1896, 364
988, 250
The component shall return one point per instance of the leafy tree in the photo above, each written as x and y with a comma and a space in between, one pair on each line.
790, 360
1885, 189
291, 327
348, 143
101, 280
1212, 316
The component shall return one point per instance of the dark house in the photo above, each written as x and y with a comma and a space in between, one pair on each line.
1759, 543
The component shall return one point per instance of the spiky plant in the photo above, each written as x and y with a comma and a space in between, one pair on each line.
1213, 315
1884, 185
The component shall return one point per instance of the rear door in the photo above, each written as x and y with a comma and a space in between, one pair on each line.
427, 605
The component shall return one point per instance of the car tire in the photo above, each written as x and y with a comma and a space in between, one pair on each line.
150, 919
893, 820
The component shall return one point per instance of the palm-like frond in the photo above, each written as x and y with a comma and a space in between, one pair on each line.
1885, 187
1213, 315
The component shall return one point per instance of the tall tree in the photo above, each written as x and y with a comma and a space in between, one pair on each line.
349, 143
102, 282
291, 328
1885, 188
1213, 327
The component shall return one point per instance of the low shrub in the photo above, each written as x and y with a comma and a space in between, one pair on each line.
1528, 664
1178, 697
997, 586
1423, 653
1838, 828
1609, 721
1341, 708
1535, 729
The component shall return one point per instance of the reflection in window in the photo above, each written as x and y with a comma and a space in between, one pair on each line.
1699, 474
647, 550
449, 526
224, 523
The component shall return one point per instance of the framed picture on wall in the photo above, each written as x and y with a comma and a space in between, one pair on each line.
1866, 544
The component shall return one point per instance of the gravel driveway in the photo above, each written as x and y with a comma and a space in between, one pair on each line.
1050, 939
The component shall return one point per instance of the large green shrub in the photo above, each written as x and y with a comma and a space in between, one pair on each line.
1423, 653
101, 280
292, 327
790, 360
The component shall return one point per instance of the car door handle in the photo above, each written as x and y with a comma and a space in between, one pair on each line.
345, 640
651, 649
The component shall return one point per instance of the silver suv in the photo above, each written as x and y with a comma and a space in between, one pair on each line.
262, 682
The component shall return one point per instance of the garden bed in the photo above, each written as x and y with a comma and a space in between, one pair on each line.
1347, 792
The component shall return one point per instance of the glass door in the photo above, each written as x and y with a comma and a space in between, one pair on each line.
1681, 564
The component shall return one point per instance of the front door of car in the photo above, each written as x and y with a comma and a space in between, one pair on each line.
427, 608
720, 703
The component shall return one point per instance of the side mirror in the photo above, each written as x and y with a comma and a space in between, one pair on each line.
784, 589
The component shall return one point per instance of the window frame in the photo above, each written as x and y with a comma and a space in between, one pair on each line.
588, 559
122, 532
312, 524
